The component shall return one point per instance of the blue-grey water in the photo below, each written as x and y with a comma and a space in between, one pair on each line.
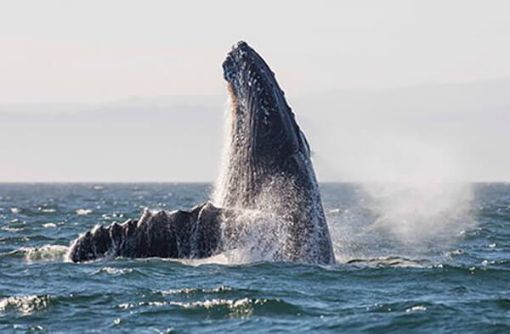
428, 260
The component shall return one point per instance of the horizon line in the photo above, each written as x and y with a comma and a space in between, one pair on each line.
212, 182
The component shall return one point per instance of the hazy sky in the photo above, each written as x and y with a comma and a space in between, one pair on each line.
133, 90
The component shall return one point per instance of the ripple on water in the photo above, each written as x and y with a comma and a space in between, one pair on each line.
12, 229
191, 291
392, 261
217, 307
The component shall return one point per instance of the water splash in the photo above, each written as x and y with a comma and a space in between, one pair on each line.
221, 184
249, 235
45, 253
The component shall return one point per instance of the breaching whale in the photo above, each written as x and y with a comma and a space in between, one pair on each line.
267, 170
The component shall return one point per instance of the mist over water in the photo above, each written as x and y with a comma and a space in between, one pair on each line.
423, 213
402, 219
416, 201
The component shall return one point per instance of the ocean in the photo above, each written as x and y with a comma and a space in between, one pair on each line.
428, 258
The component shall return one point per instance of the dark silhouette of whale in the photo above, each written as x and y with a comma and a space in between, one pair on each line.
267, 171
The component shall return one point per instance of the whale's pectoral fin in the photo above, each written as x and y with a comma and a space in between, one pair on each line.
206, 235
176, 234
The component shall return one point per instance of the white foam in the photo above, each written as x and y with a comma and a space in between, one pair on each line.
210, 303
188, 291
417, 308
12, 229
115, 271
83, 212
24, 304
45, 253
47, 210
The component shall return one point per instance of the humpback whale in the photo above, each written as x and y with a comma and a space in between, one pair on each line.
267, 170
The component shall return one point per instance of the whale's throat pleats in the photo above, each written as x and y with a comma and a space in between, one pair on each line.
266, 166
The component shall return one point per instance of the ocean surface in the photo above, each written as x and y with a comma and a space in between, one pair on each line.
426, 258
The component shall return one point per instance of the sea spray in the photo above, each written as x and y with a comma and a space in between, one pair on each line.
421, 213
413, 198
402, 219
221, 187
262, 234
256, 233
45, 253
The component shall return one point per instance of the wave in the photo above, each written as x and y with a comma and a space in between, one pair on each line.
391, 261
24, 304
219, 307
83, 212
114, 271
192, 291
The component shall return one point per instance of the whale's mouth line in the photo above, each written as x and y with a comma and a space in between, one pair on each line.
243, 57
250, 81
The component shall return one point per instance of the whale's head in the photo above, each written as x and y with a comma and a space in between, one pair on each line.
267, 165
263, 132
263, 124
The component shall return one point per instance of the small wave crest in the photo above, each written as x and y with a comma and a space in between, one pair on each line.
24, 304
221, 307
192, 291
243, 307
83, 212
391, 261
114, 271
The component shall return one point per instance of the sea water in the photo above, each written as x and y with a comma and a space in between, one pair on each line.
428, 258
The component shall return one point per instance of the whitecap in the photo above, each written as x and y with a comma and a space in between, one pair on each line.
115, 271
211, 303
187, 291
237, 307
417, 308
24, 304
12, 229
83, 212
50, 225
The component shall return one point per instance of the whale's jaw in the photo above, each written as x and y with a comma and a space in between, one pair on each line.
267, 164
